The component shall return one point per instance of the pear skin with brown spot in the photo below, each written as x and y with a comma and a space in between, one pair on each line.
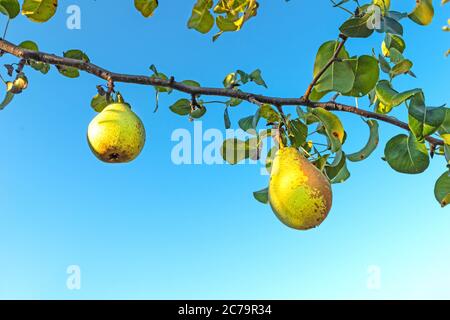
299, 193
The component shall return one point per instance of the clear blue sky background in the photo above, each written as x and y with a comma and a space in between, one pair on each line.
151, 229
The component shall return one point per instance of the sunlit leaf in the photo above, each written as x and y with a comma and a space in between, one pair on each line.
146, 7
423, 13
39, 10
333, 127
10, 8
201, 18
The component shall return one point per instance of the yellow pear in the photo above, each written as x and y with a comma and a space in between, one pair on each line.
299, 194
116, 134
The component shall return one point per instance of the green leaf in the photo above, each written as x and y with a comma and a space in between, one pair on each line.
256, 77
445, 127
246, 123
198, 113
367, 73
268, 112
384, 65
333, 127
8, 98
29, 45
424, 121
146, 7
423, 12
10, 8
234, 150
390, 25
182, 107
407, 155
99, 102
371, 145
39, 10
71, 72
226, 119
442, 189
191, 83
298, 132
262, 195
401, 68
392, 41
389, 98
357, 27
338, 172
201, 18
339, 76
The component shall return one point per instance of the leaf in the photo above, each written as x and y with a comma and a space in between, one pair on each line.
339, 76
262, 195
392, 41
407, 155
182, 107
8, 98
99, 102
390, 98
226, 119
384, 65
39, 10
371, 145
367, 73
29, 45
198, 113
338, 172
236, 13
357, 27
333, 127
234, 151
256, 77
298, 132
146, 7
401, 68
191, 83
268, 112
201, 18
442, 189
246, 123
424, 121
423, 12
390, 25
10, 8
445, 127
71, 72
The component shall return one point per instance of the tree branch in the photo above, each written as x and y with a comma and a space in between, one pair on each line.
112, 77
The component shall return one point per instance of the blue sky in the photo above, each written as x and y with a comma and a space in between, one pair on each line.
151, 229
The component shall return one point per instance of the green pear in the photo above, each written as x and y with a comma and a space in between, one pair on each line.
299, 194
116, 134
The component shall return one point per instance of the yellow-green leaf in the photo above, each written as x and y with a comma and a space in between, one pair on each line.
39, 10
146, 7
201, 18
423, 12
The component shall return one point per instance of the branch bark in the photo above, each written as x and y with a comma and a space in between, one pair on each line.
109, 76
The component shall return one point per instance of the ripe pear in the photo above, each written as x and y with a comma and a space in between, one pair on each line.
299, 194
116, 135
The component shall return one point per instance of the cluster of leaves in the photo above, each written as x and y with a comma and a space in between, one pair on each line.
227, 15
